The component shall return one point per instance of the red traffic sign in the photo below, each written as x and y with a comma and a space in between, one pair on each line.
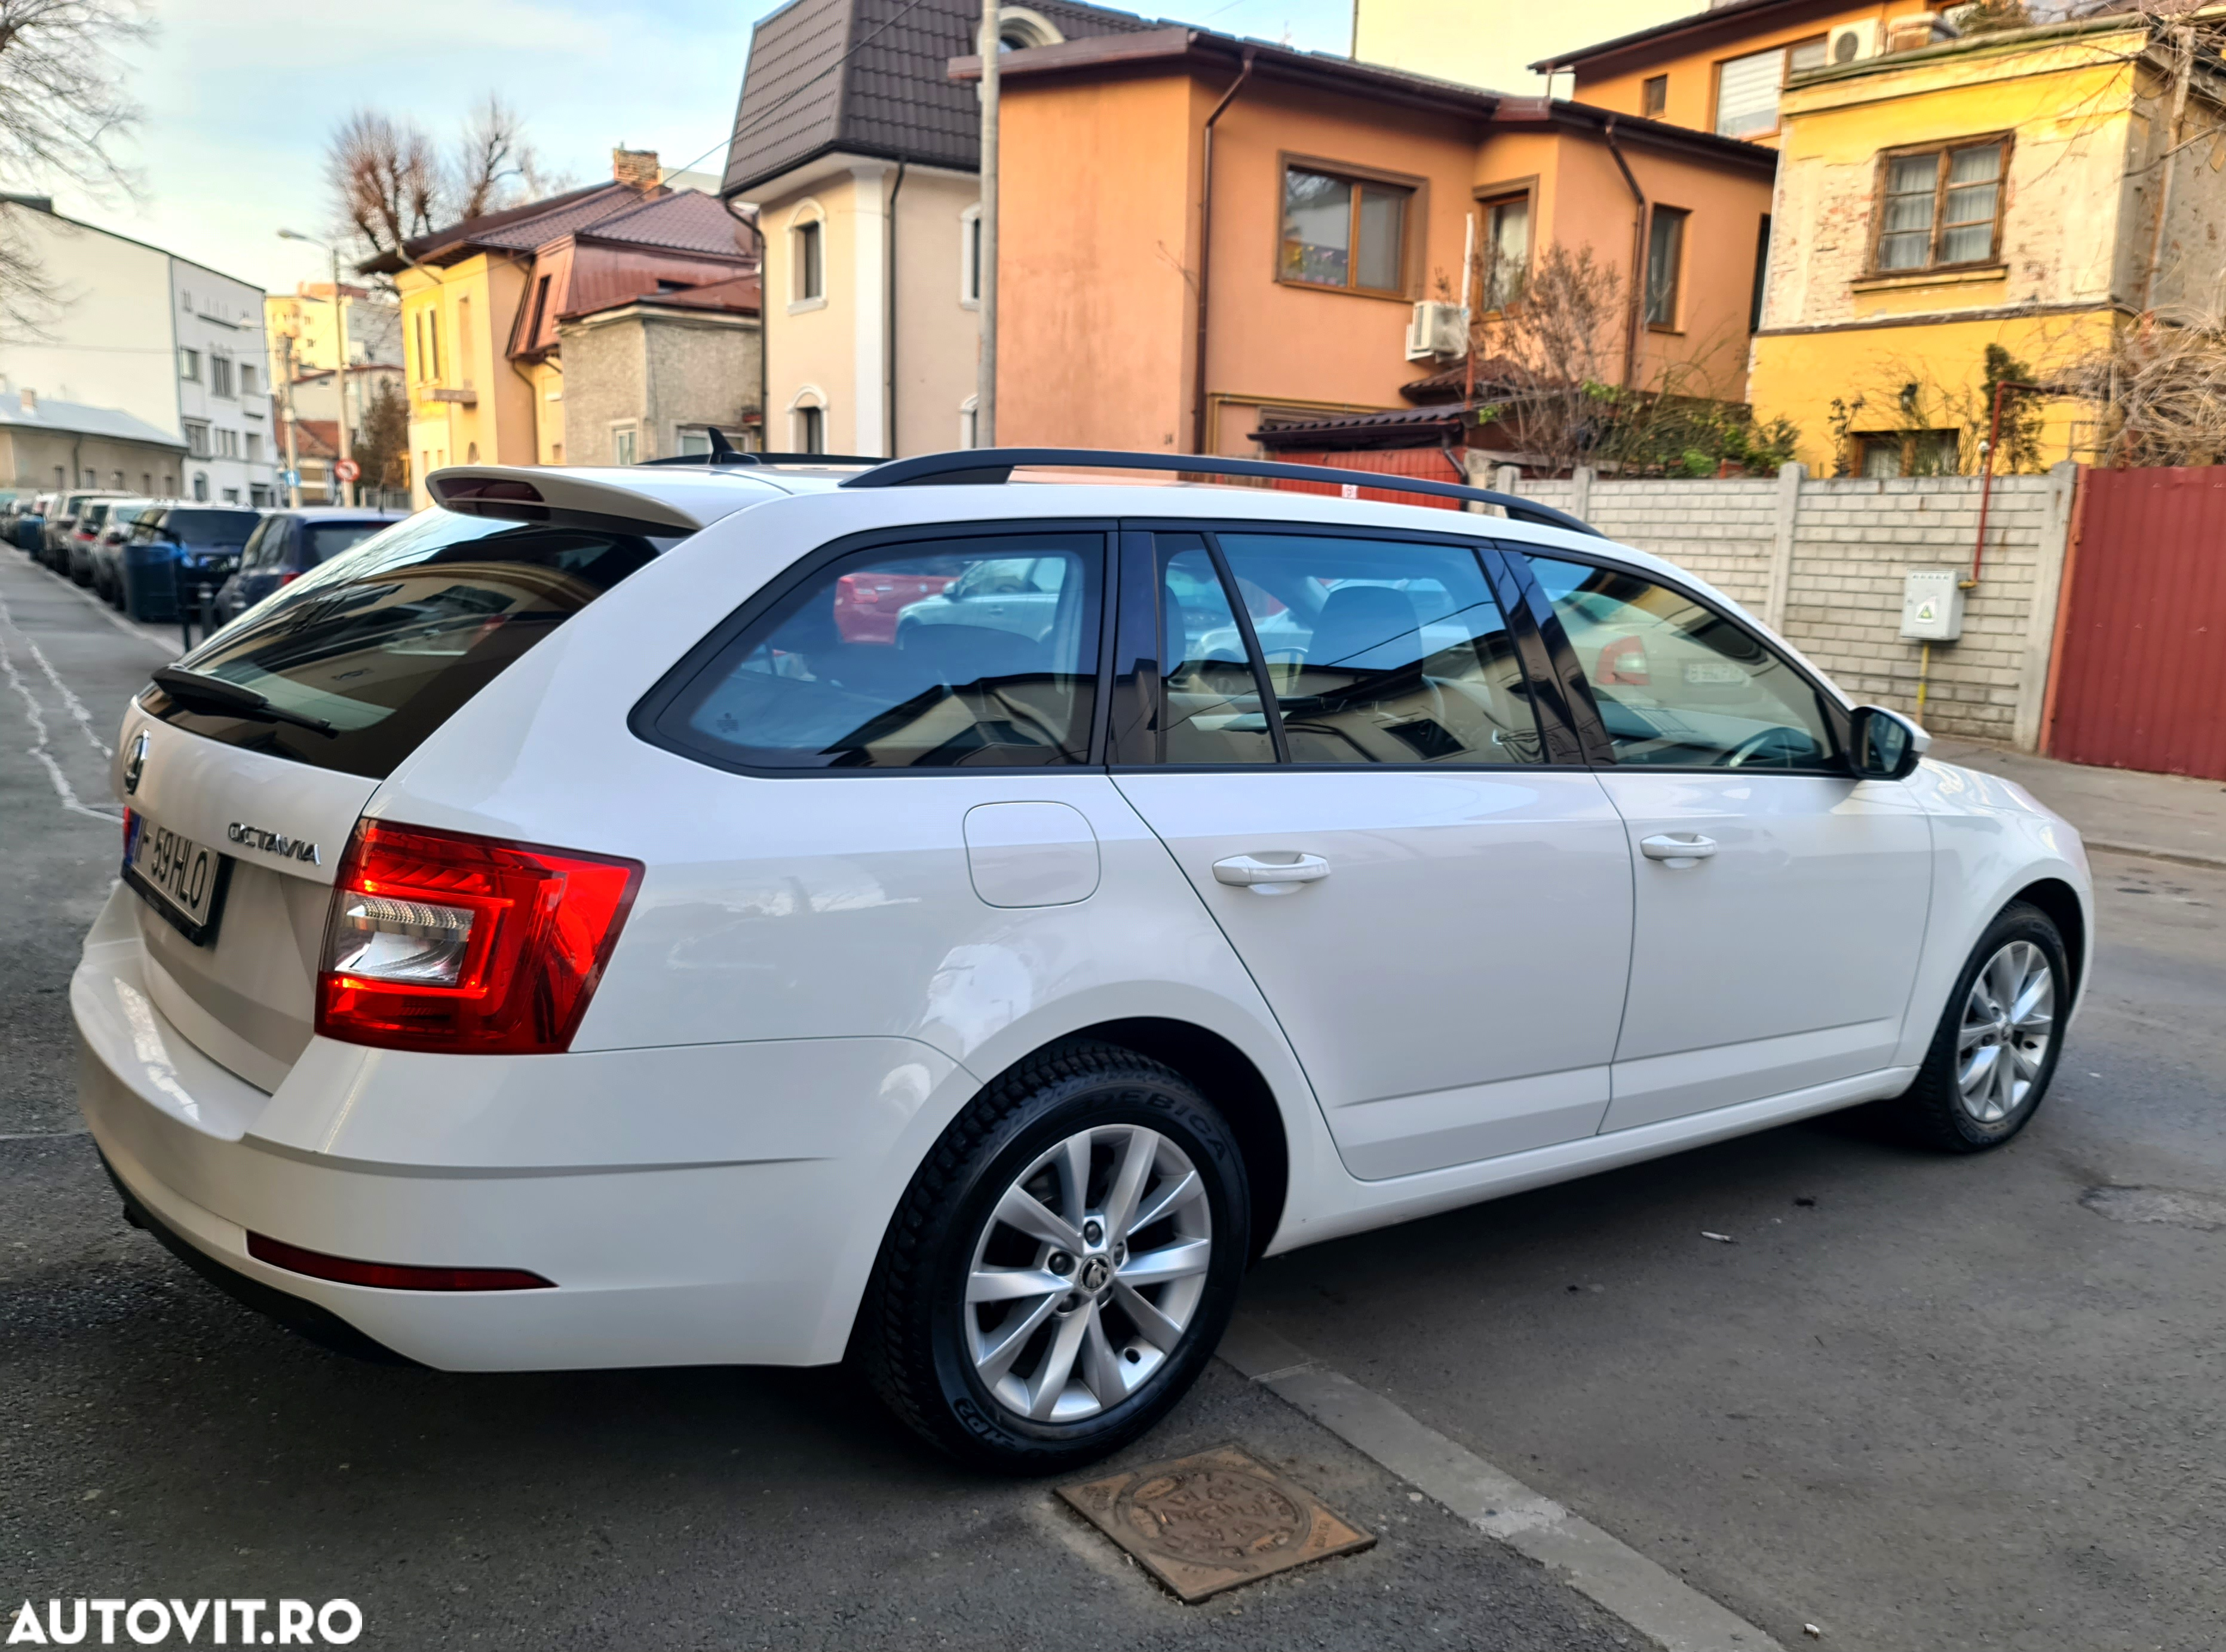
347, 469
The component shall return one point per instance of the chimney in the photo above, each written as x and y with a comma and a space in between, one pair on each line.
636, 168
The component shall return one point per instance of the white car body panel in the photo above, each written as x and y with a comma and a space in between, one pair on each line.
815, 979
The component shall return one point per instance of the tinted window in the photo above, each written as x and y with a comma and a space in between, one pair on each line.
942, 654
1383, 652
199, 528
1678, 682
1211, 711
385, 643
263, 544
328, 539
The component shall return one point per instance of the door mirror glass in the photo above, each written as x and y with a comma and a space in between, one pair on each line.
1886, 744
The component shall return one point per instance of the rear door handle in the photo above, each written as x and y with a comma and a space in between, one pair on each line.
1677, 848
1271, 877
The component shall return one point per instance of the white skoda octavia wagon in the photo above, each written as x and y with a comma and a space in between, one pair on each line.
778, 913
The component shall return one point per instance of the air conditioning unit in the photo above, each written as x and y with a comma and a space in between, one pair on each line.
1437, 329
1915, 34
1851, 42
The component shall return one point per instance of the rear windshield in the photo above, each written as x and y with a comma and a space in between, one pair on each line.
385, 642
229, 528
328, 539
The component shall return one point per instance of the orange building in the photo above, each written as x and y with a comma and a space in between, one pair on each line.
1721, 70
1203, 236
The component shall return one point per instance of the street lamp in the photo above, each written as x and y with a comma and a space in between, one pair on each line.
340, 373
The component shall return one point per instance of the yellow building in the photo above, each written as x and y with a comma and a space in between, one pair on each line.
1492, 45
1999, 189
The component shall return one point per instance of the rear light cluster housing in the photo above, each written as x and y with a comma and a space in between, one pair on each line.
461, 944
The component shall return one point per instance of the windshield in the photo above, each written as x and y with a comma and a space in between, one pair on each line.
387, 641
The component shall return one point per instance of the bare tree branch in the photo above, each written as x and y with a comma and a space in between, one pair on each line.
62, 109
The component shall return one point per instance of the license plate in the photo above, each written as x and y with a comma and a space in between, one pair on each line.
182, 880
1713, 671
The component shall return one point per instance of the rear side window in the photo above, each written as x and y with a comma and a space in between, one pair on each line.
210, 529
946, 653
386, 642
328, 539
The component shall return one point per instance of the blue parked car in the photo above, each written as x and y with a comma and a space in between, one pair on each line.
27, 522
181, 546
291, 543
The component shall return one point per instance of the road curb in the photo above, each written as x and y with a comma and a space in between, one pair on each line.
2150, 852
1668, 1612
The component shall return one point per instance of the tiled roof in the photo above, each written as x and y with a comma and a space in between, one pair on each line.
1416, 421
82, 419
684, 221
739, 295
314, 438
870, 76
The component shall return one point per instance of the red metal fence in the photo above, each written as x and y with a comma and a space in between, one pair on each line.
1430, 464
2140, 680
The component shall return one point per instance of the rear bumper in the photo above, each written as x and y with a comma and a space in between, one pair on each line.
705, 1205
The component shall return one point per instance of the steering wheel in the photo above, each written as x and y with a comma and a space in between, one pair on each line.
1790, 741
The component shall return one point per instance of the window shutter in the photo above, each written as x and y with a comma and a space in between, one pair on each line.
1746, 92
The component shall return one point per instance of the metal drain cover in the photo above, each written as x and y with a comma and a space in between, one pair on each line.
1209, 1522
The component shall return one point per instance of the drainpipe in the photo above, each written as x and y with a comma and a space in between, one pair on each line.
1206, 253
764, 369
1638, 260
889, 392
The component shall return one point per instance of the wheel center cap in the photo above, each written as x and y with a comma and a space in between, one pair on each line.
1095, 1275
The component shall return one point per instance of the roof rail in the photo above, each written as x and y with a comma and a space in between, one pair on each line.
994, 465
725, 453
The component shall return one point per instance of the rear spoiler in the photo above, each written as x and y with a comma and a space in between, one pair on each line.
524, 493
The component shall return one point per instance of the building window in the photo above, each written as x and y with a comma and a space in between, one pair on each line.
1761, 276
200, 486
115, 480
1911, 453
622, 444
258, 495
247, 379
232, 496
1940, 207
811, 272
147, 484
969, 255
254, 448
541, 311
220, 376
1344, 233
464, 340
1748, 87
1506, 251
810, 428
1665, 251
197, 438
1654, 96
189, 365
227, 444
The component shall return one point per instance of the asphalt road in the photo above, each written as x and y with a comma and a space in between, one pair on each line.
1920, 1403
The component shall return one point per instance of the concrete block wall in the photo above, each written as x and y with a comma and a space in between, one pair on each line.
1834, 585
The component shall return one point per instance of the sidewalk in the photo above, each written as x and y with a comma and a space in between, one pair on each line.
2165, 816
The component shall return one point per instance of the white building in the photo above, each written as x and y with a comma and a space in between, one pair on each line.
172, 343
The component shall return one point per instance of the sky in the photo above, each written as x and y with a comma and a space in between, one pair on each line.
240, 95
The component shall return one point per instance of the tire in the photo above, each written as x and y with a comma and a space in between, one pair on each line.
1964, 1100
975, 1377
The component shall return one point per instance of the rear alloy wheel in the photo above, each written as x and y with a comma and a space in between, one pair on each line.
1062, 1266
1996, 1047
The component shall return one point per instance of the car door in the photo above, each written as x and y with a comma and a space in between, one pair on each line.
1781, 901
1430, 888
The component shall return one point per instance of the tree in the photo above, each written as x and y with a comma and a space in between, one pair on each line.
390, 182
382, 440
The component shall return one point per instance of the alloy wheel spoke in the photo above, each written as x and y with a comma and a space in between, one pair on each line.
1968, 1040
1158, 1330
1978, 1077
2027, 1061
1013, 1284
997, 1359
1074, 1177
1169, 1199
1049, 1380
1101, 1361
1137, 1156
2036, 1005
1022, 1208
1178, 1260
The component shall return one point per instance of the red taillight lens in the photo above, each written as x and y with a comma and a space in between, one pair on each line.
390, 1276
444, 941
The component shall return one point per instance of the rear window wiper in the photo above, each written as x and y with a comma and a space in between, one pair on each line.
201, 692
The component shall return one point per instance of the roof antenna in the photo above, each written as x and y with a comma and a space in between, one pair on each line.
720, 445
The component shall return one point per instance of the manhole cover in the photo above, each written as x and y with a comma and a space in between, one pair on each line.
1205, 1523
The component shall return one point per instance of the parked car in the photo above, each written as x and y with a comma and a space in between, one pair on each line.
84, 537
180, 549
61, 524
548, 939
27, 529
288, 544
867, 605
107, 553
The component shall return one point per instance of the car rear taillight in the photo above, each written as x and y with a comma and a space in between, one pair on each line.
390, 1276
445, 942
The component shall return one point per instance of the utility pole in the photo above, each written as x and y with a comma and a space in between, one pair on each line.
985, 390
341, 372
293, 442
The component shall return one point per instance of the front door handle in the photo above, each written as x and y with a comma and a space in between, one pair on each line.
1677, 848
1271, 877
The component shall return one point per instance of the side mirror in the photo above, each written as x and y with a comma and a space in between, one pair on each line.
1887, 745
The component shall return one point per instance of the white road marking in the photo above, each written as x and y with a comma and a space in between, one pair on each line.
76, 706
32, 714
1667, 1611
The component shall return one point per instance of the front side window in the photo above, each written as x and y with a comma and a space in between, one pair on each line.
937, 654
1678, 684
1506, 251
1344, 232
1665, 251
1940, 207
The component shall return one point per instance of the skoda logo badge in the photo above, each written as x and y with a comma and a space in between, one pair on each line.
135, 758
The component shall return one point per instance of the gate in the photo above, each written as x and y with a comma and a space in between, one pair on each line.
2140, 678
